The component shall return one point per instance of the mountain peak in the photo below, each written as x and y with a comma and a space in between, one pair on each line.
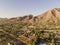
55, 12
50, 14
56, 9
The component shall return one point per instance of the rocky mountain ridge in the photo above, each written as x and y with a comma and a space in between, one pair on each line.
50, 14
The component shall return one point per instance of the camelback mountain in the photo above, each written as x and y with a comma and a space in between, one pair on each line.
48, 16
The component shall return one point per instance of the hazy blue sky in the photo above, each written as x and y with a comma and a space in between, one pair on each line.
13, 8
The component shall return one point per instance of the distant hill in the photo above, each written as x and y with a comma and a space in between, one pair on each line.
3, 19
